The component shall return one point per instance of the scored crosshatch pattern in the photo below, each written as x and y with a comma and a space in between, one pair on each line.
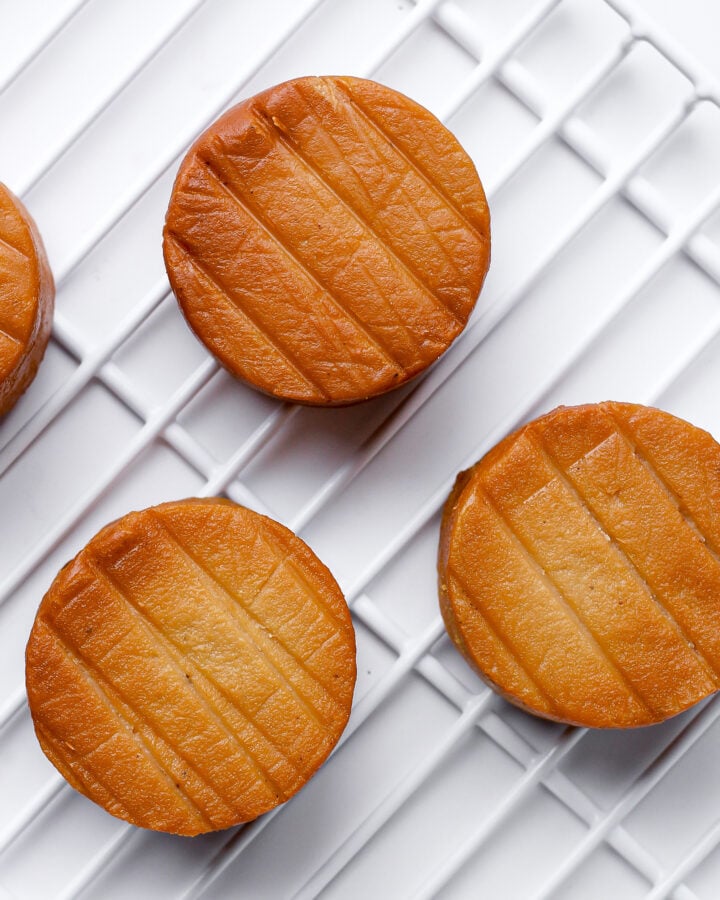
392, 38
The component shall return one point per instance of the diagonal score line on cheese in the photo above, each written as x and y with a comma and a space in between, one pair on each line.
222, 598
241, 311
277, 128
220, 688
317, 186
321, 612
290, 253
208, 695
567, 602
389, 236
501, 638
257, 630
5, 329
633, 569
5, 243
510, 667
655, 472
325, 612
286, 356
297, 263
14, 339
78, 773
94, 678
158, 743
328, 640
284, 140
4, 333
438, 188
334, 619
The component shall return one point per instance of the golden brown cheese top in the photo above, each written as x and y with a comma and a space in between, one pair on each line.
26, 298
580, 565
327, 239
192, 667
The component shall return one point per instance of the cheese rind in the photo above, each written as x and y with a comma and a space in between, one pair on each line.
27, 295
327, 239
579, 567
192, 667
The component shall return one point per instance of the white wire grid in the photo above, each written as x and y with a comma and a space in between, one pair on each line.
272, 439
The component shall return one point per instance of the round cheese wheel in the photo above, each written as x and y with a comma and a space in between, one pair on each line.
27, 295
191, 667
327, 239
579, 565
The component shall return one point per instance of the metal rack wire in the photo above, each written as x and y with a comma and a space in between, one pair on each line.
412, 653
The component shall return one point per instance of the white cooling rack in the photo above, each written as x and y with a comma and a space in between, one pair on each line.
598, 141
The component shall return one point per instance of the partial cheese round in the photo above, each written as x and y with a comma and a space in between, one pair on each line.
327, 239
580, 565
27, 296
192, 667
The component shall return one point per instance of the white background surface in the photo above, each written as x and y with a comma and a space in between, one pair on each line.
694, 23
568, 315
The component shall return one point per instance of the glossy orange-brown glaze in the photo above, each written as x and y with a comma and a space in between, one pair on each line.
191, 667
27, 295
579, 565
327, 239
